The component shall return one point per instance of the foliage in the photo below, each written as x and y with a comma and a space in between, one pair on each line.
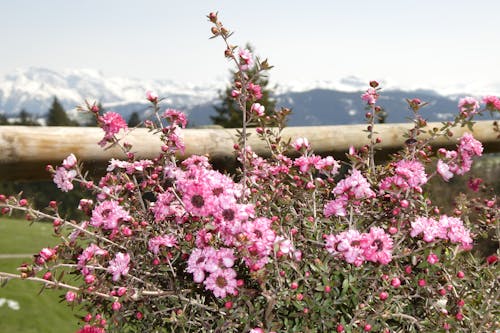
291, 244
57, 115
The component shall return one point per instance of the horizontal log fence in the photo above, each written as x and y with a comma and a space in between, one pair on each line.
25, 151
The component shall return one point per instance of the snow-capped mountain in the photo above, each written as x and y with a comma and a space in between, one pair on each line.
316, 103
34, 89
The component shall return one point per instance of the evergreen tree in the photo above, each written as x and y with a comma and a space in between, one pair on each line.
3, 120
134, 120
26, 119
57, 115
228, 112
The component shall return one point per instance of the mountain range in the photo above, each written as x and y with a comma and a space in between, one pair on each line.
323, 103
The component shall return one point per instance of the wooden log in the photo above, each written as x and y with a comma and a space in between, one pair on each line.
25, 151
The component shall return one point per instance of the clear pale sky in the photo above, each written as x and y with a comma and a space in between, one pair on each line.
416, 43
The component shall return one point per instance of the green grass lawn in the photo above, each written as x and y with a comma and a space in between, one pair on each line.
37, 312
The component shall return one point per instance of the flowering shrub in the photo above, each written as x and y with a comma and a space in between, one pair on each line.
295, 242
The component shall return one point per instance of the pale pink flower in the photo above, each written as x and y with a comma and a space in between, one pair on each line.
69, 162
155, 243
370, 96
444, 170
468, 104
246, 59
257, 109
63, 179
300, 143
222, 282
119, 266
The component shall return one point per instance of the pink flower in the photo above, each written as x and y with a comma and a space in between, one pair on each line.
408, 174
63, 179
70, 296
88, 254
300, 143
108, 214
155, 243
336, 207
119, 266
355, 186
257, 109
111, 123
492, 103
347, 245
175, 117
469, 146
69, 162
222, 282
201, 261
444, 170
47, 253
246, 60
370, 96
255, 91
152, 96
377, 246
432, 258
468, 104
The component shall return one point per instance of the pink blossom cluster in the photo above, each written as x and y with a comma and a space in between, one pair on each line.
446, 228
355, 187
460, 161
326, 165
356, 248
111, 123
407, 175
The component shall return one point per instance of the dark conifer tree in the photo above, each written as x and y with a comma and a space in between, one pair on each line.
133, 120
57, 115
